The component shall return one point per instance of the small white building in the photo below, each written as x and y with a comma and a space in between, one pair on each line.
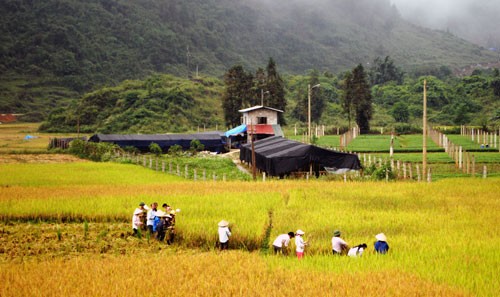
260, 115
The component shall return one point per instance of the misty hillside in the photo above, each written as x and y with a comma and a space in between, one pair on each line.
53, 48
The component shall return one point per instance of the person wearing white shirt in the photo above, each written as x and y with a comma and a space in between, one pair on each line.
357, 251
224, 234
281, 243
338, 244
136, 217
300, 244
151, 217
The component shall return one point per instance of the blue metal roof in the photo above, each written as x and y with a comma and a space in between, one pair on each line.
237, 130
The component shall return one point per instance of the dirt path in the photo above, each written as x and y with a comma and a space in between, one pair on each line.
38, 158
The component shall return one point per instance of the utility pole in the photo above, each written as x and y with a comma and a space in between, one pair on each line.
309, 88
254, 167
424, 132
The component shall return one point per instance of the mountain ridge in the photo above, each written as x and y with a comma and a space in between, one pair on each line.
80, 46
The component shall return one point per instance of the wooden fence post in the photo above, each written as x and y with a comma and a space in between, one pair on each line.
473, 166
460, 157
485, 171
418, 173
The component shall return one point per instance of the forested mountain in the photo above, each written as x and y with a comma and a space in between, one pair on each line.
54, 49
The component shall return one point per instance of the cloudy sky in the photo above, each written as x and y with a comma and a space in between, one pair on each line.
475, 20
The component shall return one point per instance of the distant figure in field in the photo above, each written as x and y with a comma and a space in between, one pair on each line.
136, 217
339, 246
300, 244
281, 243
357, 251
151, 218
381, 245
224, 234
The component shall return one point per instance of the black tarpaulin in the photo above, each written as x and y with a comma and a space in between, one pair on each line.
211, 140
279, 156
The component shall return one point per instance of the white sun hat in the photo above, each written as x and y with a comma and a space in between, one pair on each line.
300, 232
381, 237
223, 223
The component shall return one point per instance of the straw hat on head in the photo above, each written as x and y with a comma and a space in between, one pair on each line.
381, 237
300, 232
223, 223
336, 233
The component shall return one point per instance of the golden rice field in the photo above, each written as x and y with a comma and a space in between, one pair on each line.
443, 236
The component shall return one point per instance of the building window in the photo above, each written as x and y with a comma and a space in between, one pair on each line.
262, 120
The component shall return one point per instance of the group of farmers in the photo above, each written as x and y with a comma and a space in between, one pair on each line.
280, 244
339, 246
159, 223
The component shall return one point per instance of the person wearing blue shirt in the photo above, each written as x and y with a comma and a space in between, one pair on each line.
381, 245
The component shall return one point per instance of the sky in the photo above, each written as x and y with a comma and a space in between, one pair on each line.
474, 20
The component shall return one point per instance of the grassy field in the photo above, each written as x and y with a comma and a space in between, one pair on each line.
467, 143
12, 138
443, 235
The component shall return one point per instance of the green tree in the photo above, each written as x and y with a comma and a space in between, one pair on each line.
260, 87
400, 112
317, 100
384, 71
360, 97
317, 97
276, 87
495, 83
237, 95
347, 101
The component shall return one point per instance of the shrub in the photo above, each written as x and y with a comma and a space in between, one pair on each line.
383, 172
131, 149
175, 150
406, 129
196, 146
155, 148
99, 152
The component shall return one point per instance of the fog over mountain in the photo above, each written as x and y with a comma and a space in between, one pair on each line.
476, 21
